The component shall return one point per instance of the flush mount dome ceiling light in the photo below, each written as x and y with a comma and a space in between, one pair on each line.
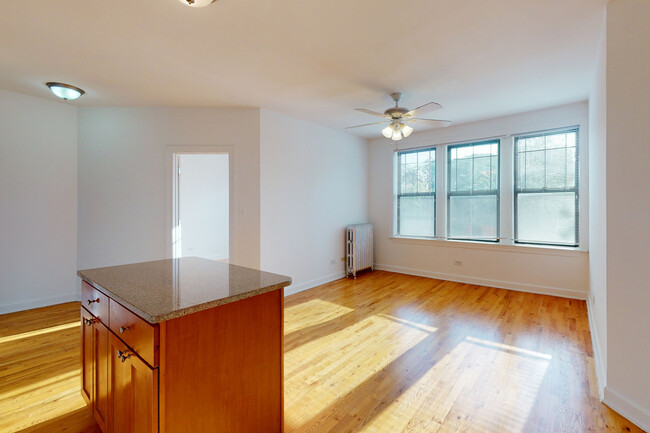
398, 118
65, 91
196, 3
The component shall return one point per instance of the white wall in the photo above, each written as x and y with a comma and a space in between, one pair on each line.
204, 205
38, 202
628, 209
314, 182
597, 301
124, 172
542, 270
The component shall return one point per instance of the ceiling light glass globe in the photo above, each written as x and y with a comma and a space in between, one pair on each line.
387, 131
397, 133
406, 130
65, 91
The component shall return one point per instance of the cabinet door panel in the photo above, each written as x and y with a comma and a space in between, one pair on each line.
101, 375
87, 356
133, 397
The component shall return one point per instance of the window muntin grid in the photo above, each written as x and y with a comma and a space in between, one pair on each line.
547, 169
473, 190
416, 192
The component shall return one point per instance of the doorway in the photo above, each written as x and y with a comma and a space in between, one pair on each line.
201, 196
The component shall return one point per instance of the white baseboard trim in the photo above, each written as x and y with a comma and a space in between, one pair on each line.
599, 365
530, 288
41, 302
295, 288
628, 409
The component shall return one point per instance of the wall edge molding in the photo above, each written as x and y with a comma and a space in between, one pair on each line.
599, 366
38, 303
509, 285
634, 413
295, 288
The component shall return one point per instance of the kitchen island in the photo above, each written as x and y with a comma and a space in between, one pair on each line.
183, 345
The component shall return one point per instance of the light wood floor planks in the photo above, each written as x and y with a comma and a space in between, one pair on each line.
39, 372
395, 353
385, 353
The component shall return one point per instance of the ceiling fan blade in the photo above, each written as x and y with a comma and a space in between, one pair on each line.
373, 113
431, 122
367, 124
422, 109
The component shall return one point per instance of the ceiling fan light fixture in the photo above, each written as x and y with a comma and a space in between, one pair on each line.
397, 133
398, 117
197, 3
65, 91
406, 129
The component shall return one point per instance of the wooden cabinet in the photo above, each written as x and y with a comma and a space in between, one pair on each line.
100, 398
87, 356
94, 371
120, 388
94, 301
136, 332
133, 397
218, 370
94, 367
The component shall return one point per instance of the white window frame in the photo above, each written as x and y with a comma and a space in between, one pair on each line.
398, 195
449, 194
506, 199
575, 190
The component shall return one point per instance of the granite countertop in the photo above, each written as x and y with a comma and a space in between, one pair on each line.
166, 289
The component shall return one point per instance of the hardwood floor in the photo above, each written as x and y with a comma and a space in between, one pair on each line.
396, 353
40, 372
385, 353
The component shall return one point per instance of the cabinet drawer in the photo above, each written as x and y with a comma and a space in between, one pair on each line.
94, 301
136, 332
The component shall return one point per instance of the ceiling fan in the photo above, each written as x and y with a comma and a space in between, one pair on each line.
398, 118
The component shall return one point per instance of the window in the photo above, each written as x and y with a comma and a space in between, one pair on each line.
473, 191
416, 192
546, 188
514, 189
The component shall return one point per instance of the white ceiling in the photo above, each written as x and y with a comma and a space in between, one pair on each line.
311, 59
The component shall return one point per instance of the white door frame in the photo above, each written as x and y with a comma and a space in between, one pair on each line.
171, 213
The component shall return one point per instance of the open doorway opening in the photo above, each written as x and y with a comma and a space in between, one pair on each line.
201, 192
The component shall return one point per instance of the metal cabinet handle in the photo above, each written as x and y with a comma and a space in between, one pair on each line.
123, 355
89, 321
90, 301
122, 329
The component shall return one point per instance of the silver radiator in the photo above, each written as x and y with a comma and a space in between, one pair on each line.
358, 249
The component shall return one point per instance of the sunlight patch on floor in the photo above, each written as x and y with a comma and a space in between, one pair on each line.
56, 398
39, 332
511, 378
422, 406
410, 323
318, 372
39, 386
509, 348
445, 397
310, 313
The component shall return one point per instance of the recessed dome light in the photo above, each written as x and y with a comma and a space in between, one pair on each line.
196, 3
65, 91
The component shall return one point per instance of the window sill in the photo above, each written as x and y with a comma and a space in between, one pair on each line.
489, 246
